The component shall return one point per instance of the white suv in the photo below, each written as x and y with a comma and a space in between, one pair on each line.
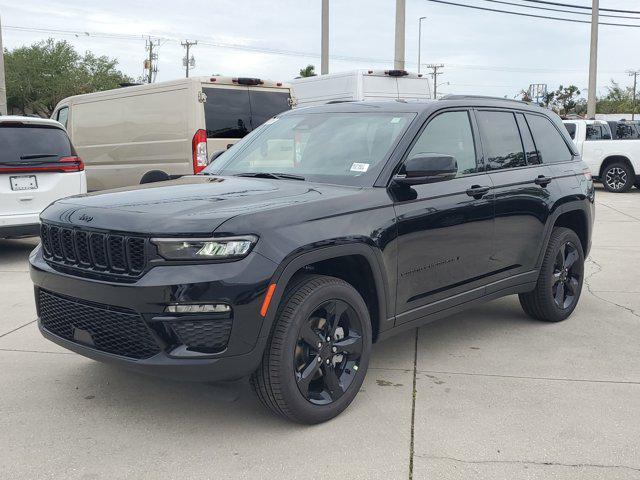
38, 165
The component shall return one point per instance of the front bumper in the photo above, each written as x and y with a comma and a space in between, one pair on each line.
240, 285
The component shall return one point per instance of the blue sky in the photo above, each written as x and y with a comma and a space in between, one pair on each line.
484, 53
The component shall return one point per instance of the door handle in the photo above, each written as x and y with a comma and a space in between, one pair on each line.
477, 191
542, 180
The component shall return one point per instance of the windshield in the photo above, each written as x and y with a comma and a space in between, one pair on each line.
341, 148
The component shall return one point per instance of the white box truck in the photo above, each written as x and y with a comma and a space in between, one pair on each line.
361, 85
144, 133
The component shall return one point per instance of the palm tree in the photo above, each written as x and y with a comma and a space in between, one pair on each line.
308, 71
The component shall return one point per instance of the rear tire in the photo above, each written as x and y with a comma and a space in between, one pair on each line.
560, 281
618, 177
154, 176
318, 353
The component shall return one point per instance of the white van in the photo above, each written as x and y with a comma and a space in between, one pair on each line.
361, 85
144, 133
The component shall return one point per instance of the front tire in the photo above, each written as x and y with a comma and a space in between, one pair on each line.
618, 177
560, 281
318, 353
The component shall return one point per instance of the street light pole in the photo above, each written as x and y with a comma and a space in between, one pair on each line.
398, 63
3, 88
419, 39
593, 60
634, 74
324, 47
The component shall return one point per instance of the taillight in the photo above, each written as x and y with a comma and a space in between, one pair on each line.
72, 164
199, 150
64, 164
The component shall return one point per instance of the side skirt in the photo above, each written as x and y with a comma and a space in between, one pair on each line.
522, 283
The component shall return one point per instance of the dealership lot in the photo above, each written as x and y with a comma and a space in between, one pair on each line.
497, 395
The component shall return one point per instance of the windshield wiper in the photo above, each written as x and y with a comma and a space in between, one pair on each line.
37, 155
275, 175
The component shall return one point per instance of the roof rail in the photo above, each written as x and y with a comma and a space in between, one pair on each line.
483, 97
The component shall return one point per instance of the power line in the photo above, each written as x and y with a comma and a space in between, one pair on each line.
559, 10
273, 51
581, 6
531, 14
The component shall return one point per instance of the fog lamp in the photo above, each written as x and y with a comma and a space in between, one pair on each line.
198, 308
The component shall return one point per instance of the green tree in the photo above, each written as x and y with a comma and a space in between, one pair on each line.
41, 75
617, 100
566, 99
308, 71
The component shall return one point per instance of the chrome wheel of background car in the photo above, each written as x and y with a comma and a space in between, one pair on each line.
327, 352
567, 273
616, 178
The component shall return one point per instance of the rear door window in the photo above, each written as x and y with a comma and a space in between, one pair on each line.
265, 105
594, 132
549, 142
32, 144
227, 112
501, 140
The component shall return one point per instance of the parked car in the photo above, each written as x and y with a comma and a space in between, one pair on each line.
38, 165
624, 130
326, 229
615, 163
146, 133
360, 85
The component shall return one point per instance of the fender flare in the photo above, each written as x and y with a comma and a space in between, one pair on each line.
572, 206
294, 262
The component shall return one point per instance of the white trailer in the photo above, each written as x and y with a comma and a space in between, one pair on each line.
361, 85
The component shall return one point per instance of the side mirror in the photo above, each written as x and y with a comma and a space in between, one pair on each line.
215, 155
428, 168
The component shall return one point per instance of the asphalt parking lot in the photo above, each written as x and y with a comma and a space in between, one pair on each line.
497, 395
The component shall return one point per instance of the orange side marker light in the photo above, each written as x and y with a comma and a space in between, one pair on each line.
267, 300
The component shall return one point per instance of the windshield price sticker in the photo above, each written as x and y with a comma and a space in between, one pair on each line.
359, 167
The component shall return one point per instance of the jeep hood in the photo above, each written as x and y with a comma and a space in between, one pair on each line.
193, 204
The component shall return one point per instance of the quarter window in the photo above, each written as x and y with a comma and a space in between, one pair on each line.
449, 134
532, 154
550, 143
62, 116
501, 140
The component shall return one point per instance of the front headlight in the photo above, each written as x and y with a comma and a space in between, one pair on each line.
205, 248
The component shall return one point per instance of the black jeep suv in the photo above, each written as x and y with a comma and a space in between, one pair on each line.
322, 231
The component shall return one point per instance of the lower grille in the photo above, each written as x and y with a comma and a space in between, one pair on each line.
206, 336
108, 329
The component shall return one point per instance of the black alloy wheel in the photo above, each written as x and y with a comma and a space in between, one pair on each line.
328, 352
566, 276
560, 280
318, 352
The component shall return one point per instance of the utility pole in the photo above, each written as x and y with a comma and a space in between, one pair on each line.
324, 42
634, 74
398, 63
3, 87
419, 39
593, 60
153, 57
435, 67
188, 62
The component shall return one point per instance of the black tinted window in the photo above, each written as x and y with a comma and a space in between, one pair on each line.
571, 128
450, 134
227, 112
594, 132
29, 143
501, 140
625, 131
532, 154
265, 105
548, 140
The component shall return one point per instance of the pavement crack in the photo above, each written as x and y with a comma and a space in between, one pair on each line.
619, 211
17, 328
531, 462
413, 406
593, 292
